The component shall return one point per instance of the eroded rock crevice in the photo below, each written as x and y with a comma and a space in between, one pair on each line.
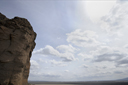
17, 41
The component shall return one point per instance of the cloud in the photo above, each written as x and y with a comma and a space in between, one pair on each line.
66, 71
50, 51
45, 76
105, 53
34, 65
108, 50
51, 75
126, 46
118, 72
97, 9
66, 48
101, 50
109, 57
57, 63
85, 56
122, 62
116, 20
121, 1
42, 61
34, 68
82, 38
85, 66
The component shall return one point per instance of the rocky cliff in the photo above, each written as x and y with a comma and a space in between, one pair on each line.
16, 46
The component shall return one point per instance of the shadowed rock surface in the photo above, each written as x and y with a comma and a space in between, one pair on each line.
16, 46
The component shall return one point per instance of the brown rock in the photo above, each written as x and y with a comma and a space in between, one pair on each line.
16, 46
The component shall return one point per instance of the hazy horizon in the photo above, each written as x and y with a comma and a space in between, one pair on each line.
77, 40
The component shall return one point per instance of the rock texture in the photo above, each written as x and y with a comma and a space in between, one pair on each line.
16, 46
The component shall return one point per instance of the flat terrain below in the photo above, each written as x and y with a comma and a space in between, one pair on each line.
81, 83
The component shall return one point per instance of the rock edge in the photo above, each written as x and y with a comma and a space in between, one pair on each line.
17, 41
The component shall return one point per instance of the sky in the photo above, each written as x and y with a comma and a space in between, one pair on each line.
77, 40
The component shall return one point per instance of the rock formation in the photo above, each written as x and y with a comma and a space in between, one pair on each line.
16, 46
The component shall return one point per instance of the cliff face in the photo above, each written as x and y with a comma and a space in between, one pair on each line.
16, 46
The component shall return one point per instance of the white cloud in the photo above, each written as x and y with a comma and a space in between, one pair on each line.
126, 46
49, 50
116, 21
83, 38
66, 71
34, 65
66, 48
86, 56
85, 66
42, 61
97, 9
58, 63
107, 49
68, 56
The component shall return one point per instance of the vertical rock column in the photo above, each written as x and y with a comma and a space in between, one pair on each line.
16, 46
